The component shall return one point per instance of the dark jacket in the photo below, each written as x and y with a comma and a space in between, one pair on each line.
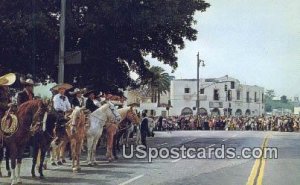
144, 127
90, 105
23, 97
75, 102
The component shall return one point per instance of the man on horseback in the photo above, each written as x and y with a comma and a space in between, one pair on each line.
62, 107
78, 100
90, 105
27, 93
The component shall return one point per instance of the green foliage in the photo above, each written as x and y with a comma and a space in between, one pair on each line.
113, 35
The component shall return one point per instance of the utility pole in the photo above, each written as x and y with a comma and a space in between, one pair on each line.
198, 98
62, 42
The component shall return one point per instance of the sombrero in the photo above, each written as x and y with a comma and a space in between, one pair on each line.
62, 86
8, 79
76, 91
27, 82
90, 92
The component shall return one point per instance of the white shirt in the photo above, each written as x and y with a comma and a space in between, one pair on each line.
61, 105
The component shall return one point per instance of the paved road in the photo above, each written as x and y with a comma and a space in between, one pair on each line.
284, 170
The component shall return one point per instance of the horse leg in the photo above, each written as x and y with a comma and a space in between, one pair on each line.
34, 160
63, 149
90, 141
42, 159
73, 151
114, 148
78, 151
111, 131
13, 157
95, 146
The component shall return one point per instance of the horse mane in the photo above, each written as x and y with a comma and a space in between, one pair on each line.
123, 112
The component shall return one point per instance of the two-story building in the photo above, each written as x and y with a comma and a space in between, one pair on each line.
218, 96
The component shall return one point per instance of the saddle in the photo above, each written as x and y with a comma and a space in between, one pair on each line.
9, 124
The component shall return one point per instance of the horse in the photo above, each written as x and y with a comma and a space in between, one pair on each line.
103, 116
30, 115
41, 143
128, 114
76, 129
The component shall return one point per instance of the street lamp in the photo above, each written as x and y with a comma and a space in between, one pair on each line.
198, 85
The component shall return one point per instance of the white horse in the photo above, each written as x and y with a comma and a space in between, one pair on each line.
105, 115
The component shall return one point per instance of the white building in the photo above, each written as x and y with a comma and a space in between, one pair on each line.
238, 99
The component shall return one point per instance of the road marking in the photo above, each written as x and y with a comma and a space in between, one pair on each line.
262, 169
224, 139
257, 171
176, 160
131, 180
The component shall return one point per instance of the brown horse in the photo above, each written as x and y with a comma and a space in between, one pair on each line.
76, 131
128, 114
30, 116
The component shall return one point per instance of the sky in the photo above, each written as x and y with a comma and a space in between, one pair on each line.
256, 42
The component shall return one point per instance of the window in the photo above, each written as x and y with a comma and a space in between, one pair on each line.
238, 95
229, 95
216, 95
232, 85
186, 90
248, 97
262, 97
201, 91
255, 97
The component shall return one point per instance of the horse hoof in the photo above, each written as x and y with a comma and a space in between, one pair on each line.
42, 177
33, 175
75, 169
1, 174
59, 163
53, 164
64, 161
45, 166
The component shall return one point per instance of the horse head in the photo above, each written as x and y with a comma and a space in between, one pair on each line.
77, 119
40, 113
132, 116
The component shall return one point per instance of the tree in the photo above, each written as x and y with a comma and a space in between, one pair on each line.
159, 82
113, 35
270, 93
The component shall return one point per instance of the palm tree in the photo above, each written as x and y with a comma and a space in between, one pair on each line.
159, 82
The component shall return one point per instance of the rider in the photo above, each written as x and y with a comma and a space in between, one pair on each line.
27, 93
61, 102
77, 100
90, 105
62, 107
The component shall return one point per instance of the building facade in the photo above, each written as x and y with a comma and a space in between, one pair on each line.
218, 96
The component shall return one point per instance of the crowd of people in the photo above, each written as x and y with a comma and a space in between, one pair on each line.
264, 123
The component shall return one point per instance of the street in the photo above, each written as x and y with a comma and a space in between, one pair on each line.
284, 170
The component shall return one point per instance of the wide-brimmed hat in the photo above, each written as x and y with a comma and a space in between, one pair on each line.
62, 86
8, 79
76, 91
90, 92
27, 82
